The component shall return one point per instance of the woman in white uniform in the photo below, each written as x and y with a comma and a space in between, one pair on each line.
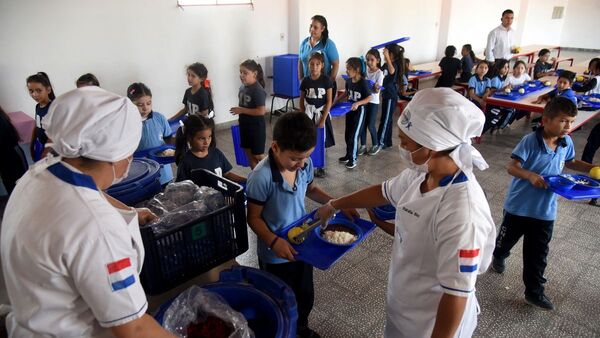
443, 232
71, 255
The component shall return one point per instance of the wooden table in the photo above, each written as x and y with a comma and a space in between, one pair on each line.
432, 67
580, 67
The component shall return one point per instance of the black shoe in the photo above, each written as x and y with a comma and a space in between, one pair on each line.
540, 301
498, 265
351, 164
307, 333
594, 202
319, 172
344, 159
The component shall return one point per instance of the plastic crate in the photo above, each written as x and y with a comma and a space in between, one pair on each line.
285, 75
191, 249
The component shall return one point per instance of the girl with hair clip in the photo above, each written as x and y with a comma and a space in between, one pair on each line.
41, 91
316, 95
198, 98
203, 152
393, 72
374, 74
358, 91
251, 111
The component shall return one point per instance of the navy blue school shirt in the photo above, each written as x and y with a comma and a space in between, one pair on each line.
466, 64
390, 82
196, 102
40, 113
568, 93
541, 67
215, 161
251, 96
450, 67
315, 91
358, 91
480, 85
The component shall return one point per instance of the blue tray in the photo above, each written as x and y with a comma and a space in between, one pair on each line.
318, 155
530, 87
577, 192
418, 72
175, 125
585, 100
317, 252
340, 109
381, 45
240, 155
385, 212
371, 82
153, 154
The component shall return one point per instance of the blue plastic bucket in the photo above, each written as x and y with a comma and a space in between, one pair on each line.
318, 155
142, 183
385, 212
240, 156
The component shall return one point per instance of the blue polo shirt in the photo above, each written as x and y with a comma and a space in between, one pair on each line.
282, 204
567, 93
523, 199
496, 82
154, 129
329, 50
480, 85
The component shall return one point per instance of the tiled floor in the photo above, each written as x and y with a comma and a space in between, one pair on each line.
350, 296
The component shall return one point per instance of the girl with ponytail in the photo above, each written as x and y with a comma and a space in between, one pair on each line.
40, 90
197, 99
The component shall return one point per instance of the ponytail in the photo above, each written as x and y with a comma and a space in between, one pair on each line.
469, 48
325, 35
253, 66
43, 79
202, 72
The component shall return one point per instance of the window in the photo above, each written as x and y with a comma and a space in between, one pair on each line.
212, 2
557, 12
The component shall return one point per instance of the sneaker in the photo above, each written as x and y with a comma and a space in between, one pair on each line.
307, 333
498, 265
362, 150
374, 150
351, 164
540, 301
344, 159
594, 202
319, 172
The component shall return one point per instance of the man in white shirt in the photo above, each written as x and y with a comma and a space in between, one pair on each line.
501, 40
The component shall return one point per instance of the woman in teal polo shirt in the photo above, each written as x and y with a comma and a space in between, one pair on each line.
319, 41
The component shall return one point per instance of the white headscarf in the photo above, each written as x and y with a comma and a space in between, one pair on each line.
441, 119
93, 123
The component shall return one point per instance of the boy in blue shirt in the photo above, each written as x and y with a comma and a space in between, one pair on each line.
276, 189
563, 88
530, 207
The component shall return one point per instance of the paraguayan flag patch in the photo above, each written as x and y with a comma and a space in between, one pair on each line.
120, 274
468, 260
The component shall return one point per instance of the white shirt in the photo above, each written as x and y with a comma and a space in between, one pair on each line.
377, 78
70, 259
595, 90
500, 41
443, 240
516, 81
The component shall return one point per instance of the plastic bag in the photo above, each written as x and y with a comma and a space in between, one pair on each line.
196, 305
180, 216
214, 199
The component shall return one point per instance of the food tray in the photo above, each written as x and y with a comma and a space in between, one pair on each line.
587, 100
418, 72
381, 45
577, 192
153, 154
340, 109
318, 253
530, 87
371, 82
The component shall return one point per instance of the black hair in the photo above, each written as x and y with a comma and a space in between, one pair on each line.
44, 80
295, 132
192, 125
567, 75
87, 79
450, 51
543, 51
520, 62
397, 55
560, 105
356, 64
469, 48
483, 62
376, 55
253, 66
319, 56
202, 72
321, 19
507, 11
137, 90
12, 136
594, 64
406, 65
499, 64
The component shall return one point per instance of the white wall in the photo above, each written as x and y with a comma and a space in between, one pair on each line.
539, 27
580, 29
135, 40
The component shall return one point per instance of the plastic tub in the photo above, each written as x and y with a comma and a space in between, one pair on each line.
153, 154
142, 183
385, 212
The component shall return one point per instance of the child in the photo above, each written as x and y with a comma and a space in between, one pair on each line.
542, 66
155, 127
466, 63
591, 86
406, 92
358, 91
251, 110
518, 77
316, 95
276, 191
374, 74
450, 67
87, 79
563, 88
530, 207
203, 152
497, 117
501, 68
41, 91
479, 85
198, 98
392, 69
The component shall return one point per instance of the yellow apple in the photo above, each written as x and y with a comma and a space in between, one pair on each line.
522, 90
595, 173
547, 83
580, 78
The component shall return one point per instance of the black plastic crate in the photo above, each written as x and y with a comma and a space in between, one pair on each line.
187, 251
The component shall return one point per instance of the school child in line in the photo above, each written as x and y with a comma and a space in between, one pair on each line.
530, 207
156, 130
203, 152
251, 111
542, 66
41, 91
392, 69
87, 79
592, 85
450, 67
479, 84
198, 98
563, 88
358, 91
405, 92
466, 63
316, 96
374, 74
518, 77
496, 117
276, 191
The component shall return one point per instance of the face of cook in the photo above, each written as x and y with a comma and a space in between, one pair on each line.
507, 19
419, 154
316, 30
290, 160
122, 166
38, 92
201, 141
558, 126
144, 105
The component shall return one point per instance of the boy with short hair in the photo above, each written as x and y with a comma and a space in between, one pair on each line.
563, 88
276, 190
542, 66
530, 207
